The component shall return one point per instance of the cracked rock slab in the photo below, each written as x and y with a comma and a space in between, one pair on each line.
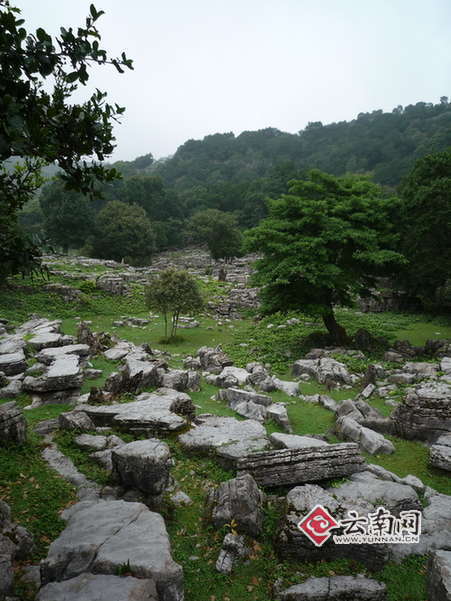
336, 588
102, 537
99, 587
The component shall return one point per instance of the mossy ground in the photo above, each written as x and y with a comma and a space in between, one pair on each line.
36, 494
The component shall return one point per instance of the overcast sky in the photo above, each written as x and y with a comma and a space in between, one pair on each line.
206, 66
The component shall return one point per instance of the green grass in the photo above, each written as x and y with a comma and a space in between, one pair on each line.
80, 458
34, 492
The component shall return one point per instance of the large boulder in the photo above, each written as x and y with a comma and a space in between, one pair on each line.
63, 374
227, 437
293, 543
143, 465
213, 359
99, 587
440, 453
164, 410
439, 576
368, 440
336, 588
104, 537
425, 413
325, 369
13, 425
48, 355
240, 500
12, 364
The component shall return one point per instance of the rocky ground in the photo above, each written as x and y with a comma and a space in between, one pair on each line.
132, 470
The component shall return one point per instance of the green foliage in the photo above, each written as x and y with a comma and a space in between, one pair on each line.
219, 231
322, 244
38, 124
123, 232
173, 293
68, 215
425, 222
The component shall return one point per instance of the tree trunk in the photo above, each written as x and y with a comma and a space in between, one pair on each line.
337, 331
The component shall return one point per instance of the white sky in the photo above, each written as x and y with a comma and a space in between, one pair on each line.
206, 66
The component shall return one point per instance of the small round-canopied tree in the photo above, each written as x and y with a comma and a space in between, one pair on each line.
123, 232
173, 293
322, 244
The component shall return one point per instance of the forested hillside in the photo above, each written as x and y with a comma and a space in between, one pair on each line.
382, 144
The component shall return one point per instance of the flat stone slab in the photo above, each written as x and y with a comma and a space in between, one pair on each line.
11, 344
336, 588
365, 486
163, 410
12, 364
48, 355
47, 339
224, 435
439, 576
63, 374
440, 456
102, 537
293, 441
99, 587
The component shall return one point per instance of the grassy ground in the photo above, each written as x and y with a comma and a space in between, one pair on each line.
36, 494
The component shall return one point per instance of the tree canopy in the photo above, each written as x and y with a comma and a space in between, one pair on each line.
322, 244
173, 292
425, 225
219, 231
123, 232
39, 125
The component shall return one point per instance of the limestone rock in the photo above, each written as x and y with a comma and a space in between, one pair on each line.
440, 453
63, 374
336, 588
213, 359
439, 576
13, 363
99, 587
75, 420
143, 464
238, 499
102, 537
48, 355
293, 441
233, 550
368, 440
13, 425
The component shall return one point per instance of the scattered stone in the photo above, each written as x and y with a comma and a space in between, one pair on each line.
99, 587
48, 355
439, 576
144, 465
238, 500
440, 453
238, 373
63, 374
368, 440
293, 441
12, 364
324, 369
180, 499
164, 410
75, 420
103, 537
233, 550
336, 588
213, 360
283, 467
13, 425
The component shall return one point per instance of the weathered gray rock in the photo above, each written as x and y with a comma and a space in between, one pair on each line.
238, 499
294, 441
99, 587
45, 339
13, 425
11, 344
240, 375
324, 369
160, 411
393, 496
368, 440
289, 388
75, 420
13, 363
277, 412
439, 576
235, 396
445, 365
102, 537
119, 351
48, 355
421, 369
175, 378
440, 453
213, 359
336, 588
144, 465
294, 466
225, 436
63, 374
233, 550
91, 442
16, 543
292, 542
425, 413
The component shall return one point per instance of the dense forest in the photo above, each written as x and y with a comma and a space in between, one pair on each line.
237, 174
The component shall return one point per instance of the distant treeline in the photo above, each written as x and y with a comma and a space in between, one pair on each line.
238, 173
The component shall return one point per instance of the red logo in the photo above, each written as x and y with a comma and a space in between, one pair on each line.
317, 525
